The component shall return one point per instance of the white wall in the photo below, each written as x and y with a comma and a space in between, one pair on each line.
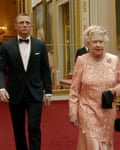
103, 13
106, 17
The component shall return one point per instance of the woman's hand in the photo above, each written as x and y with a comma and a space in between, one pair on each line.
74, 121
113, 91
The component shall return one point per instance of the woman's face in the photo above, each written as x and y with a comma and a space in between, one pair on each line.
96, 45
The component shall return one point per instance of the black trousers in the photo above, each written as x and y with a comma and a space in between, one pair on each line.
28, 109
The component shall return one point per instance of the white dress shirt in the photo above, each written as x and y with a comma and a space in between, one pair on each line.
25, 51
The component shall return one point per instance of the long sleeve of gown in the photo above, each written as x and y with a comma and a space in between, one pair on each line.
74, 90
117, 87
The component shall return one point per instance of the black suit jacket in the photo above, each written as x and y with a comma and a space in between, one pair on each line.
36, 78
80, 52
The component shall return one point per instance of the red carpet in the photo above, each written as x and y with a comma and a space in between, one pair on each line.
57, 132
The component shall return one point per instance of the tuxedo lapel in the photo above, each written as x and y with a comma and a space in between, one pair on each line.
16, 54
32, 51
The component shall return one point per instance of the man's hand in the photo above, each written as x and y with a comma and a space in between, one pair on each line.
4, 96
47, 100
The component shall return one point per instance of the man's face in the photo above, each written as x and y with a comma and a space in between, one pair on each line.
23, 26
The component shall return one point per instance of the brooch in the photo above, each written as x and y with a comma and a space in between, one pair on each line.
109, 60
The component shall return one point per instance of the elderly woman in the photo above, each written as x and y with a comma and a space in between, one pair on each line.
94, 73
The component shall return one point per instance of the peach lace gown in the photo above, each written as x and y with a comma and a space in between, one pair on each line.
90, 79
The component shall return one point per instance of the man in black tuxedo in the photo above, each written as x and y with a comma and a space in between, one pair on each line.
81, 51
28, 79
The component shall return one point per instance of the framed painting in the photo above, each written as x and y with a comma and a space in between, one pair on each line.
39, 21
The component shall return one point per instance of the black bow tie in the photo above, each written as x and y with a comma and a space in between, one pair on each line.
22, 40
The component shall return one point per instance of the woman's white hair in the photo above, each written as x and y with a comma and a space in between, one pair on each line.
94, 29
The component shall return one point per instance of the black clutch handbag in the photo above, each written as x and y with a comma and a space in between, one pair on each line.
107, 99
117, 124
